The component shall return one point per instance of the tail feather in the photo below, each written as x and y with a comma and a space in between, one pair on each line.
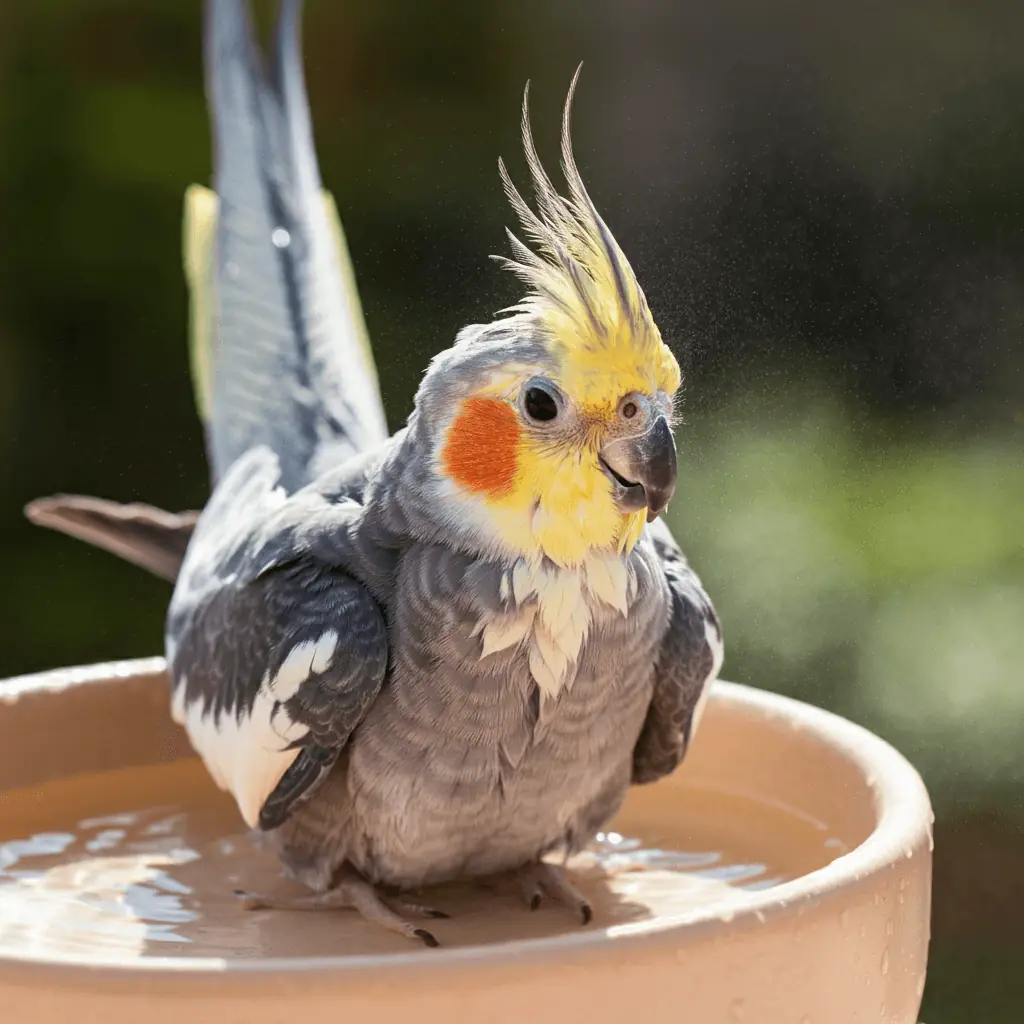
141, 534
285, 350
199, 245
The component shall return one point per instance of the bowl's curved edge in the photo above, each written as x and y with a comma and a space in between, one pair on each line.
58, 679
904, 830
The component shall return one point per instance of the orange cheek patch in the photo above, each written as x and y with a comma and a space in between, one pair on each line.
482, 448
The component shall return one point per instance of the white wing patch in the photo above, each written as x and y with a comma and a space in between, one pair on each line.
247, 754
714, 640
553, 611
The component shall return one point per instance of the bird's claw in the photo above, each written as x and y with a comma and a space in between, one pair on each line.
250, 900
353, 891
540, 880
426, 937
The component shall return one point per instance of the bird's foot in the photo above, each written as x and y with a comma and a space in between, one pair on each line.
355, 893
539, 880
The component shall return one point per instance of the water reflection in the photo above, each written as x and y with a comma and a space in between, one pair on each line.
157, 882
93, 891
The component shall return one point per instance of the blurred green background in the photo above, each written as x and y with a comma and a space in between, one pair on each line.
824, 204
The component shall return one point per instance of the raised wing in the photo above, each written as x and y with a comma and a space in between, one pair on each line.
275, 650
279, 346
689, 661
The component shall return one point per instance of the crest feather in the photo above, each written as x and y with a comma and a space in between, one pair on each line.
582, 289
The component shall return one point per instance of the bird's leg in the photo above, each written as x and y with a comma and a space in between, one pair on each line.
402, 906
542, 879
354, 892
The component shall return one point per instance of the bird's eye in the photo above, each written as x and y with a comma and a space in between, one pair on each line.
540, 405
634, 407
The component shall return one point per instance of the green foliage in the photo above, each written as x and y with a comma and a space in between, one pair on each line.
882, 580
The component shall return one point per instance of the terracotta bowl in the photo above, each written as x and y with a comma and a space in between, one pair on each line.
799, 889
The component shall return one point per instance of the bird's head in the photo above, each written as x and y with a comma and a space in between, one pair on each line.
553, 424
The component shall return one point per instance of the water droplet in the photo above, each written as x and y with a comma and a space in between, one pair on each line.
862, 931
281, 238
920, 986
736, 1009
844, 919
877, 900
889, 927
885, 962
805, 1019
909, 854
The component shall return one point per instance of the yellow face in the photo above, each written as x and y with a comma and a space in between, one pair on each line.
528, 445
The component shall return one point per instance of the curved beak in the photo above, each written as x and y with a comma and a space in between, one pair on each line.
642, 469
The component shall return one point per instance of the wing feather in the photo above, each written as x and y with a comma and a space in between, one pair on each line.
275, 653
689, 661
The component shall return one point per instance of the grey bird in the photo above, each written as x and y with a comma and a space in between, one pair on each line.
439, 654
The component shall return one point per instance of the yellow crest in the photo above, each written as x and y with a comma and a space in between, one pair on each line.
583, 291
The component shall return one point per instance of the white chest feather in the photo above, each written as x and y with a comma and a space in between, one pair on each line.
551, 610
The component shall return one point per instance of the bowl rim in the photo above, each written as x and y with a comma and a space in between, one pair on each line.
903, 830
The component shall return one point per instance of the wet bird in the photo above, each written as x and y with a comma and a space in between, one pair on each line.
443, 653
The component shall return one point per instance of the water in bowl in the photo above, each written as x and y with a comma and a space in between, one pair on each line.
142, 863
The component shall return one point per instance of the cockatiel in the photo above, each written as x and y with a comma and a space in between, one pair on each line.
444, 653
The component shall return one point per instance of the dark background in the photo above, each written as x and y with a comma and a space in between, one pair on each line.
823, 202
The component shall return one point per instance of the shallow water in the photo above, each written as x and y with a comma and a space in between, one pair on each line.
142, 863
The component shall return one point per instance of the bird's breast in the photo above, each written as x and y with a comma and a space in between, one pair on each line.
507, 725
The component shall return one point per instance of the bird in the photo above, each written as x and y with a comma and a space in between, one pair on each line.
441, 653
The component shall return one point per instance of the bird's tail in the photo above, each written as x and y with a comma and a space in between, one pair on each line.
279, 348
141, 534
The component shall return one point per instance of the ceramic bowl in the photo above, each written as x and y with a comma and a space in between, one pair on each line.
833, 926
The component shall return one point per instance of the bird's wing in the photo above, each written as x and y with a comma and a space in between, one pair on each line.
141, 534
688, 662
275, 651
279, 344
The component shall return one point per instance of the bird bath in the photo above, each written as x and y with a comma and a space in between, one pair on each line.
781, 875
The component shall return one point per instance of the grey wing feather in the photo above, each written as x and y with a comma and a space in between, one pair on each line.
688, 662
289, 368
275, 653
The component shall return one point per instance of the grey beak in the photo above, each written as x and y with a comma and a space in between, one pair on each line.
643, 469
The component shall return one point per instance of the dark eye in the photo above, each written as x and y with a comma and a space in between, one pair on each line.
629, 410
540, 405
